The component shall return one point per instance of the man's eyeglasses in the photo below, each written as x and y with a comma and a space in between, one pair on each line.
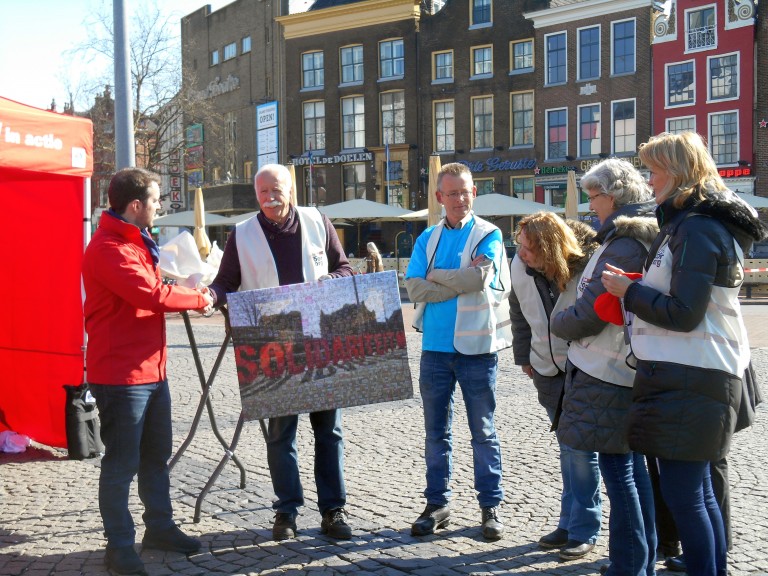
455, 195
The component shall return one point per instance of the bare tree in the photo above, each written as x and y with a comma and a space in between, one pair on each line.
159, 103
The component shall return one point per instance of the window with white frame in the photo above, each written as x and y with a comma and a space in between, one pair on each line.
624, 126
391, 59
623, 47
353, 122
555, 57
230, 51
557, 134
522, 118
723, 77
351, 64
393, 117
483, 185
482, 122
442, 66
522, 187
214, 57
681, 85
589, 53
312, 69
589, 130
481, 12
246, 45
482, 61
724, 137
521, 56
700, 29
680, 125
314, 125
445, 127
353, 176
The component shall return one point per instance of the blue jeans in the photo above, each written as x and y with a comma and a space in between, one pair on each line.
580, 501
283, 461
136, 432
687, 490
632, 522
476, 376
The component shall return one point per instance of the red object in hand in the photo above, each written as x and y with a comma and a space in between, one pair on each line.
608, 307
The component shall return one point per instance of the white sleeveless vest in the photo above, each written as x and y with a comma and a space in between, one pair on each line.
548, 352
720, 340
482, 318
257, 265
603, 355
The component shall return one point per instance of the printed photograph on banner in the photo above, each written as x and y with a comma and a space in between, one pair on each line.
321, 345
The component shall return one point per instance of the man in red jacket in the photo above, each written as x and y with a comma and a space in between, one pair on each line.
126, 355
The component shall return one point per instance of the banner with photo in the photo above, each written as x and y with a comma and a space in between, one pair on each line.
322, 345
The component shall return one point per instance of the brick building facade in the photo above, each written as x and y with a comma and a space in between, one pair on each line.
704, 58
593, 79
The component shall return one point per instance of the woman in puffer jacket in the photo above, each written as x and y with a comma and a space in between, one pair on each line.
598, 386
689, 336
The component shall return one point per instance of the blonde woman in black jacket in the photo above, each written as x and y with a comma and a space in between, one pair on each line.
689, 337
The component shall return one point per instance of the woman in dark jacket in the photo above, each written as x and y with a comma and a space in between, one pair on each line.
689, 337
551, 254
598, 385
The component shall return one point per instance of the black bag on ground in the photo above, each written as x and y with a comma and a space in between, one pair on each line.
82, 421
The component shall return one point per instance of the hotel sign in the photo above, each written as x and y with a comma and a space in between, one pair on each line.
336, 159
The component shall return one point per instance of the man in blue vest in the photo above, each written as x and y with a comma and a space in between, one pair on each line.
284, 244
459, 278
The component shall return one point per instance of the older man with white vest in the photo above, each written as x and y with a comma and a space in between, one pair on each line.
286, 244
459, 278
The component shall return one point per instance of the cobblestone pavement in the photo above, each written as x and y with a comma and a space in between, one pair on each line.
49, 521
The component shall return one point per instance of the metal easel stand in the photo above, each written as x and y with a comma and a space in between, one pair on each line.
205, 402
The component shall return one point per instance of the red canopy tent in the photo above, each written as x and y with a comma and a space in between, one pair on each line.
46, 160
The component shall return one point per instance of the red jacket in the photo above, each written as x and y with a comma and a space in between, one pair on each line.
125, 305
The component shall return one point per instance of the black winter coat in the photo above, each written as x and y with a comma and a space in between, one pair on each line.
682, 412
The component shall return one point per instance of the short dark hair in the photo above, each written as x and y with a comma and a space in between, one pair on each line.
130, 184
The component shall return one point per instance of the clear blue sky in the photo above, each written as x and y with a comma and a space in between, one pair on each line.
34, 34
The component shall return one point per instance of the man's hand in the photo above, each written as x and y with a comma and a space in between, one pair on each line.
479, 260
528, 369
206, 310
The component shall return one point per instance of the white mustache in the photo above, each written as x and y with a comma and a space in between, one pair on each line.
272, 204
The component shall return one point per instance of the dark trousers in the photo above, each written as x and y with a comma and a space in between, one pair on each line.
669, 540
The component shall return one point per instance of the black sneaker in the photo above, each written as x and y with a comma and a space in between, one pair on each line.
675, 563
171, 539
555, 539
573, 550
124, 561
492, 527
284, 526
334, 524
433, 517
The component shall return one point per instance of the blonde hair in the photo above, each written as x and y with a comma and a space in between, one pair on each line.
555, 242
686, 159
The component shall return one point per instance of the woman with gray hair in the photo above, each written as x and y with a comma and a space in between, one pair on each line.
598, 381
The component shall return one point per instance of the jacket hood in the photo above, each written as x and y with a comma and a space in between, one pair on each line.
586, 235
642, 210
738, 217
642, 228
